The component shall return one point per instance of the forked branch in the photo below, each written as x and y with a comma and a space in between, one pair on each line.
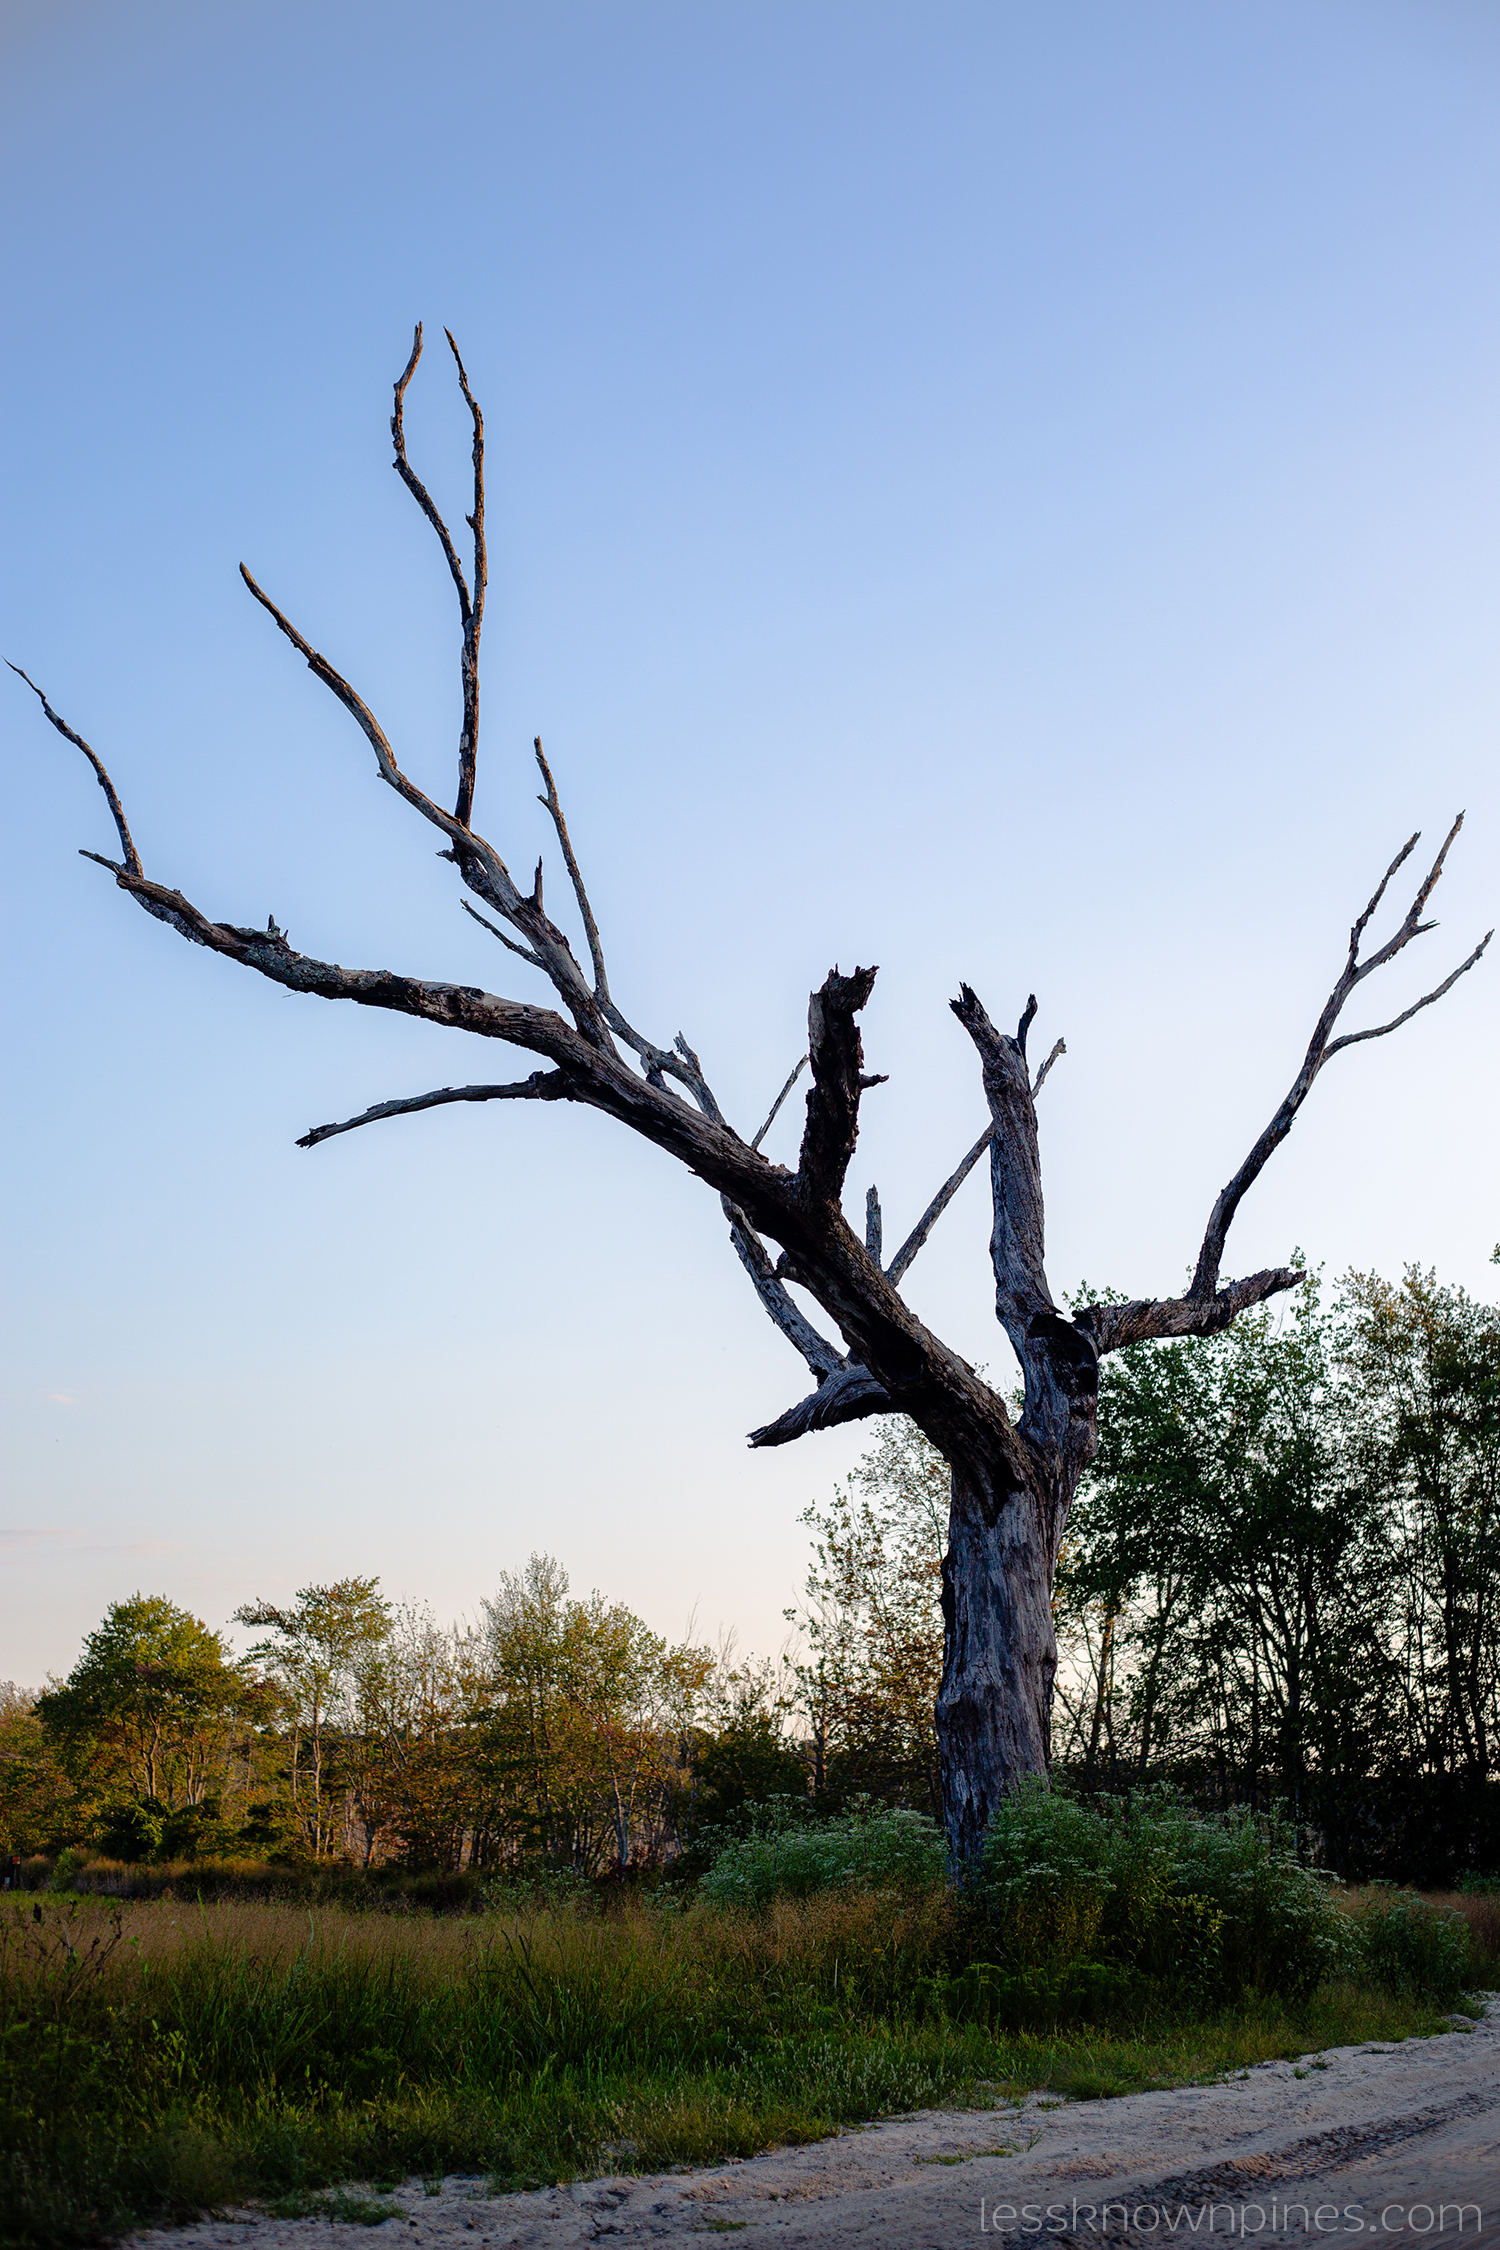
470, 604
1209, 1306
1322, 1045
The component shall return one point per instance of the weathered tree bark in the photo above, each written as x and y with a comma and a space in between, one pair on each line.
1013, 1481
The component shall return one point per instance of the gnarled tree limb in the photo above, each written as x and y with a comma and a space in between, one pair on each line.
792, 1078
541, 1086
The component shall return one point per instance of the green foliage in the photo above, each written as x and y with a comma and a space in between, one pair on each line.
1280, 1582
37, 1800
318, 1654
143, 1723
869, 1851
873, 1625
1219, 1903
1410, 1947
748, 1762
584, 1719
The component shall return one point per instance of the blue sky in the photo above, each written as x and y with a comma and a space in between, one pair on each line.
1009, 493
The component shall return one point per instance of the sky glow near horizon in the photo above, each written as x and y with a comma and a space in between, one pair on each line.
1005, 493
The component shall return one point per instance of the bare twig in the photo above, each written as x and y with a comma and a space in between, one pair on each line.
955, 1181
1040, 1080
1353, 1038
553, 803
780, 1098
937, 1207
824, 1359
469, 746
480, 865
122, 827
1208, 1306
541, 1086
485, 923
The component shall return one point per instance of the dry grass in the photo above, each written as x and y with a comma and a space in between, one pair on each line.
163, 2057
1481, 1912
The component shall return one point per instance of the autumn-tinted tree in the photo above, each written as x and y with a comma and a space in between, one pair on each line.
589, 1719
38, 1803
1012, 1481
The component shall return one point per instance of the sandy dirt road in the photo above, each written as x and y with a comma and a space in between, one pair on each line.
1385, 2144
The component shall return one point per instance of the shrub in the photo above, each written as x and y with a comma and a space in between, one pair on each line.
1411, 1948
64, 1870
1280, 1930
1210, 1904
1047, 1875
878, 1851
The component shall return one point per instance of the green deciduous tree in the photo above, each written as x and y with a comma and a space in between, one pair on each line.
1425, 1364
873, 1622
319, 1653
1282, 1578
150, 1719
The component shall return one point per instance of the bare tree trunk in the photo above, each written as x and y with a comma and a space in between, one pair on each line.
994, 1708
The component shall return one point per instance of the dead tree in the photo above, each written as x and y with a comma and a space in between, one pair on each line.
1012, 1480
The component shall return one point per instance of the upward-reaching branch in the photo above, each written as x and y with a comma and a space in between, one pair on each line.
470, 606
1018, 1242
1322, 1045
116, 809
1208, 1306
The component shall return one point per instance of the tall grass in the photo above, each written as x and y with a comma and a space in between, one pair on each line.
161, 2058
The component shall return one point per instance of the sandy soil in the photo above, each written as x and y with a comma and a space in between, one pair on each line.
1370, 2140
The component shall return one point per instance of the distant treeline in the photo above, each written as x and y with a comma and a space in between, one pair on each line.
1281, 1585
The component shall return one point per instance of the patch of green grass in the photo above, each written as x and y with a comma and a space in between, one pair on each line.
179, 2060
967, 2155
343, 2207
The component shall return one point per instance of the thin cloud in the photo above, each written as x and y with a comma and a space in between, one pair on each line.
61, 1398
18, 1539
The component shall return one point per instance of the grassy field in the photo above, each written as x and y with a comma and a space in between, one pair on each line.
160, 2058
